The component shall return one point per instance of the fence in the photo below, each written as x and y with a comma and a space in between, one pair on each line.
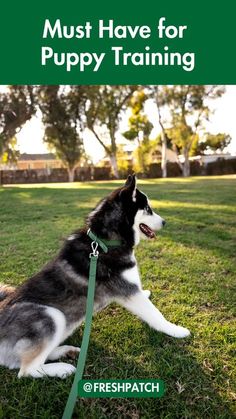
218, 167
53, 175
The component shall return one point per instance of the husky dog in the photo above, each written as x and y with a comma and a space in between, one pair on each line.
36, 317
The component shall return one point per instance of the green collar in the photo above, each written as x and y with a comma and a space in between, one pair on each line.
104, 244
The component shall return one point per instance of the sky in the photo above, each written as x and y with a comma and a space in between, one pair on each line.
30, 138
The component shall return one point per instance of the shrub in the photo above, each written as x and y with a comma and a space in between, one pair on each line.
221, 167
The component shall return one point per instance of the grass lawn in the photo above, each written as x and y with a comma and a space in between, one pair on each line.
190, 269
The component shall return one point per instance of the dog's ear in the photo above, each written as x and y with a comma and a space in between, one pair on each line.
129, 188
131, 181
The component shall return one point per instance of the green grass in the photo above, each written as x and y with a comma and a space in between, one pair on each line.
190, 269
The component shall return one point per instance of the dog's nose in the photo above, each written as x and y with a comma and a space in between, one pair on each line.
163, 222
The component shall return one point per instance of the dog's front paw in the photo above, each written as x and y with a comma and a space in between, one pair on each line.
182, 332
177, 331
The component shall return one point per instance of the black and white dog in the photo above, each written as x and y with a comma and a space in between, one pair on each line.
39, 315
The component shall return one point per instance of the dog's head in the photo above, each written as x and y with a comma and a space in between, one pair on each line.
145, 221
126, 212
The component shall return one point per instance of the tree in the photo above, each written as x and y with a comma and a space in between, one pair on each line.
157, 93
213, 142
144, 155
139, 128
62, 117
103, 110
11, 153
17, 106
125, 165
189, 107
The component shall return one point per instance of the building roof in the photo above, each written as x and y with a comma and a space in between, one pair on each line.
34, 157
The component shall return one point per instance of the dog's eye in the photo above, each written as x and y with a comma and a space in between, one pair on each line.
148, 210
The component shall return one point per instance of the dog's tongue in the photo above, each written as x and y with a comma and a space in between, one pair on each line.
147, 230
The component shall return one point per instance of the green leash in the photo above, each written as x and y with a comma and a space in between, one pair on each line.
88, 317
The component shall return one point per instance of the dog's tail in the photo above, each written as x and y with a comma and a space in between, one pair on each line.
5, 291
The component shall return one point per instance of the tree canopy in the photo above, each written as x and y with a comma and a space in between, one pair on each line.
67, 111
188, 107
211, 142
61, 116
17, 106
139, 128
103, 114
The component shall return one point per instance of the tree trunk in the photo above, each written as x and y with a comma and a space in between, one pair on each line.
142, 162
71, 174
114, 165
186, 164
163, 143
141, 159
163, 154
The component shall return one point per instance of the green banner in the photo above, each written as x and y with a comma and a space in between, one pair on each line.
121, 388
151, 42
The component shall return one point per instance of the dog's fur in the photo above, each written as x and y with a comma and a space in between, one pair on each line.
41, 313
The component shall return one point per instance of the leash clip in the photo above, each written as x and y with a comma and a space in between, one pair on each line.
94, 252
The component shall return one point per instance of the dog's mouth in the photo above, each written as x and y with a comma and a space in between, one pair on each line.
147, 231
